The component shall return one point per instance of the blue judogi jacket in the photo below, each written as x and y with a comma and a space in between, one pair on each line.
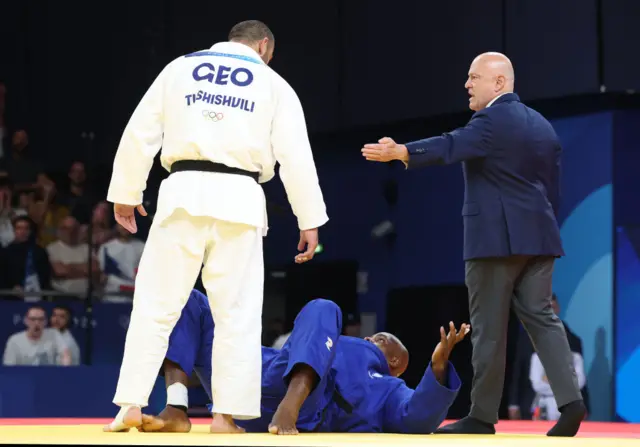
381, 402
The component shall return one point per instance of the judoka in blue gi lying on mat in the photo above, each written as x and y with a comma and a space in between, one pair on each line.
319, 381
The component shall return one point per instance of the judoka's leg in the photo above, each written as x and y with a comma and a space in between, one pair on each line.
168, 270
185, 347
233, 275
311, 352
173, 418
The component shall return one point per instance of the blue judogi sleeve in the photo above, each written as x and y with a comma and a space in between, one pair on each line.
421, 411
466, 143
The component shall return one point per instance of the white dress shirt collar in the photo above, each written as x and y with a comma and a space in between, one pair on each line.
494, 99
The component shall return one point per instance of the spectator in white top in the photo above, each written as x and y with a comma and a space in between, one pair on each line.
545, 401
61, 319
119, 259
69, 260
37, 345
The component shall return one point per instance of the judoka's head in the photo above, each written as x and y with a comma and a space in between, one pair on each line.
255, 35
394, 351
490, 75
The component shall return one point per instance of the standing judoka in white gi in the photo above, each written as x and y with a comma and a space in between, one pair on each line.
223, 118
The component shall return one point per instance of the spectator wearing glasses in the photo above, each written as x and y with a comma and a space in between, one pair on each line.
37, 345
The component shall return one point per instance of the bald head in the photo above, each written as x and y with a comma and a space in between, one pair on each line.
490, 75
394, 351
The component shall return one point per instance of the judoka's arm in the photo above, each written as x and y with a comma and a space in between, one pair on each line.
291, 147
421, 411
538, 378
466, 143
140, 142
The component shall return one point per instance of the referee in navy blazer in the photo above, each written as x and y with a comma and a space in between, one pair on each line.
510, 158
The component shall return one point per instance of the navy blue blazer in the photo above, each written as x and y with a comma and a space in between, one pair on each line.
510, 158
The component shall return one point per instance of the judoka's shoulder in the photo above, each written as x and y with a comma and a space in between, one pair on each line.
281, 87
352, 341
168, 69
390, 383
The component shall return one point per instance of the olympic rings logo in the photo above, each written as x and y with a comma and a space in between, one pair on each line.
213, 116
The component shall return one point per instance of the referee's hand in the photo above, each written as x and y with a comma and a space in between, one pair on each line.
125, 216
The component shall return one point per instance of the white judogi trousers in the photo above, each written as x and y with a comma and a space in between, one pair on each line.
233, 275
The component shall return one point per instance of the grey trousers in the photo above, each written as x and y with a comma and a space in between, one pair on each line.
524, 282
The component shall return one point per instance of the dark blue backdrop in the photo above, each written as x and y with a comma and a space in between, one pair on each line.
627, 308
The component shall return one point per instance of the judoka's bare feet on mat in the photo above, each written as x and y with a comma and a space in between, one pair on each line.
223, 423
170, 420
125, 420
284, 422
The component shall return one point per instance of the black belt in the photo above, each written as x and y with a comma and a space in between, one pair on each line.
342, 403
210, 166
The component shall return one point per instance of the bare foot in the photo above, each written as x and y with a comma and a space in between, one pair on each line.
223, 423
132, 417
170, 420
284, 421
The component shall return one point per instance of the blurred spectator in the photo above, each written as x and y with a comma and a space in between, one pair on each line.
37, 345
119, 259
545, 406
24, 266
6, 211
24, 203
521, 393
61, 318
281, 340
3, 122
102, 229
70, 260
77, 198
273, 330
23, 170
47, 211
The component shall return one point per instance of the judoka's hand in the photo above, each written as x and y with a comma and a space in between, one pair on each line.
441, 354
308, 239
385, 150
126, 216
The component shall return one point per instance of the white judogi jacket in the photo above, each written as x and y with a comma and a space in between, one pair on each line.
224, 105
